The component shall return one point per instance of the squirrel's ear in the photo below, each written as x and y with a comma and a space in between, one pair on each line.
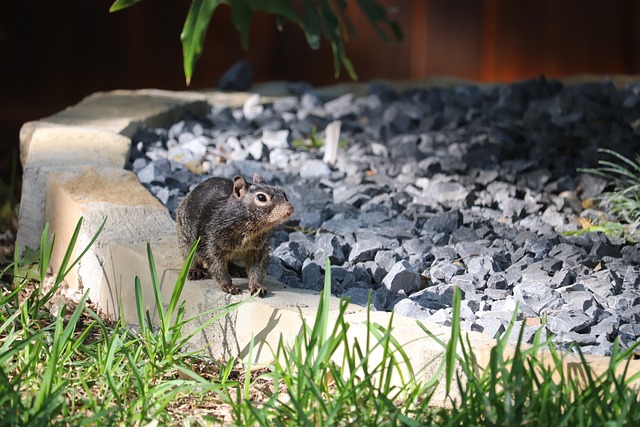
239, 187
258, 179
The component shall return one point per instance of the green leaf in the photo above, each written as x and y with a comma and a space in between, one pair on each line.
377, 14
451, 351
310, 22
194, 31
331, 30
241, 17
155, 285
122, 4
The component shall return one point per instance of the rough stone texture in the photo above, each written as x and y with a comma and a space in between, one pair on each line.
402, 277
97, 195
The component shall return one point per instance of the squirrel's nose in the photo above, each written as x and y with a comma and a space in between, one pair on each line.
289, 210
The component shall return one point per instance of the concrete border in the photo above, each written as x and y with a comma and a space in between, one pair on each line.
73, 165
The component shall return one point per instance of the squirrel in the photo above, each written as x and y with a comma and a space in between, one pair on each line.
233, 220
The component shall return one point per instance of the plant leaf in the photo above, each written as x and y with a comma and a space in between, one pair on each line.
331, 30
122, 4
194, 31
311, 26
376, 13
241, 17
451, 351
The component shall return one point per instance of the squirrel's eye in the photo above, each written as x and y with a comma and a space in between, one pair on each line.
261, 197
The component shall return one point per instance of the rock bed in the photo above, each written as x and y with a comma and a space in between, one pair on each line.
467, 186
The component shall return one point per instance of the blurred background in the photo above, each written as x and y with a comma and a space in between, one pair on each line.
54, 53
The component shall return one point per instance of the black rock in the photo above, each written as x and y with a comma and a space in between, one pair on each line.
239, 77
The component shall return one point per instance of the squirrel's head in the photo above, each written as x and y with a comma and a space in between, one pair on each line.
268, 204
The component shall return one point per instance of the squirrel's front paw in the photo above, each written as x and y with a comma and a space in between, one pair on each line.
259, 290
231, 289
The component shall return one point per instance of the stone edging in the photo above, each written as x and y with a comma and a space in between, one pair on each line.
73, 164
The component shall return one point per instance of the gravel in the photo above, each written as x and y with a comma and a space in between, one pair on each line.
465, 186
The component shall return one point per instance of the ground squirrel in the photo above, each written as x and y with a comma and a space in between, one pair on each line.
234, 220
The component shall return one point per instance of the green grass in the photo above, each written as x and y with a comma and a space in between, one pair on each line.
624, 174
71, 367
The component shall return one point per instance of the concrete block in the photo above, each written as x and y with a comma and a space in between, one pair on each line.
132, 215
266, 320
97, 132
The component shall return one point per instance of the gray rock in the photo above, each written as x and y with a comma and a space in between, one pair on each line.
582, 301
314, 169
275, 268
341, 227
419, 246
539, 247
357, 296
280, 158
602, 348
341, 106
443, 253
492, 327
607, 327
536, 296
366, 249
273, 139
561, 321
443, 192
463, 234
563, 277
482, 266
441, 317
313, 276
383, 299
447, 222
574, 337
468, 283
155, 172
258, 150
404, 148
410, 308
496, 294
331, 248
434, 297
374, 270
497, 281
471, 249
631, 278
252, 108
285, 103
601, 283
445, 270
310, 220
627, 299
402, 277
387, 259
631, 314
604, 249
627, 333
292, 254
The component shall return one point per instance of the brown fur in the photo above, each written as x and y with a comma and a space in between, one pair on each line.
234, 220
